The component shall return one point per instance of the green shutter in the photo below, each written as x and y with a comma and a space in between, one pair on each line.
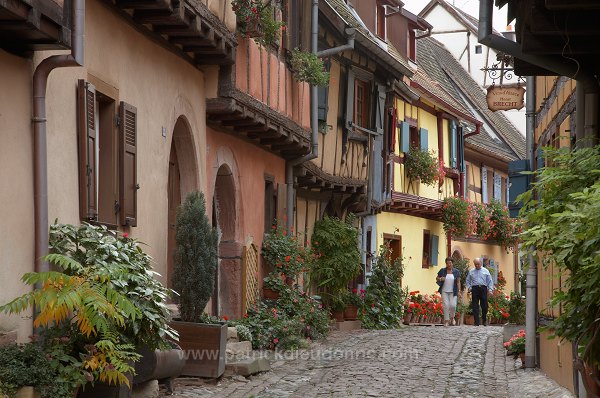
434, 249
350, 99
404, 137
424, 138
323, 93
453, 143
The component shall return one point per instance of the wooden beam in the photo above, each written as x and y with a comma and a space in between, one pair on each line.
573, 4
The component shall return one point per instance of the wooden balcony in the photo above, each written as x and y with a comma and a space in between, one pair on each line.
187, 27
415, 206
27, 26
310, 176
259, 101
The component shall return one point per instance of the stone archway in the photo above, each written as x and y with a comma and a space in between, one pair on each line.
183, 179
227, 297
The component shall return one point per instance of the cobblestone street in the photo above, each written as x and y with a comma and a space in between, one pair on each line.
416, 361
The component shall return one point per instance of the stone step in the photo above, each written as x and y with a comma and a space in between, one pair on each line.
238, 348
347, 325
247, 367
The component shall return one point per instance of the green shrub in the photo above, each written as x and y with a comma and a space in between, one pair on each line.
195, 258
307, 67
384, 298
337, 257
516, 309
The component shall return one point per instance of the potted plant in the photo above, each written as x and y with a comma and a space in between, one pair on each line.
354, 300
309, 68
272, 285
384, 297
459, 217
422, 166
516, 316
259, 20
516, 345
193, 279
338, 306
337, 259
35, 370
99, 272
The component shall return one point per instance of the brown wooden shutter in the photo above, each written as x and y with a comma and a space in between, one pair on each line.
127, 164
87, 143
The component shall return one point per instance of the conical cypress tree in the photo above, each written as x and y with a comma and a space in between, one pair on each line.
195, 257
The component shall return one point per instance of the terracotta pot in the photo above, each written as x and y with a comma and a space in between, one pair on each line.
254, 28
469, 320
270, 294
289, 281
407, 318
338, 316
351, 312
522, 357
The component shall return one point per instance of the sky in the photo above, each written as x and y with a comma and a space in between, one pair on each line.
469, 6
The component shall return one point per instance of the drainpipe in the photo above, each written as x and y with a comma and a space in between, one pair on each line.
531, 281
40, 155
587, 99
314, 122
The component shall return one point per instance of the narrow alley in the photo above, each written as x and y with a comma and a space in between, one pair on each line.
463, 361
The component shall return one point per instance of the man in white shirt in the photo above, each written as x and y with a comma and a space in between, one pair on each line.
479, 283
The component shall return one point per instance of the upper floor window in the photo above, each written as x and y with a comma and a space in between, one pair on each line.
361, 103
412, 45
381, 21
107, 138
478, 49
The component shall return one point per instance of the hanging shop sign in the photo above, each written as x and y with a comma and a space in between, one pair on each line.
505, 98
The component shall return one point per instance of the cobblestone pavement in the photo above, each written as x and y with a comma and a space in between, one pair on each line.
415, 361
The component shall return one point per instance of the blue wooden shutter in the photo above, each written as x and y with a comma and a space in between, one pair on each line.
404, 137
453, 143
434, 249
424, 138
377, 166
323, 93
350, 99
518, 184
461, 150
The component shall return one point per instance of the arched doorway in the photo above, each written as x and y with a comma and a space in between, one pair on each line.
227, 296
183, 179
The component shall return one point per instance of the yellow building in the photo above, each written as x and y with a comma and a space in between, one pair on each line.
448, 118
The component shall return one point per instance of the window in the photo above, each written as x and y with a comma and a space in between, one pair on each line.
412, 45
478, 49
381, 21
414, 137
270, 203
430, 249
394, 242
361, 103
107, 158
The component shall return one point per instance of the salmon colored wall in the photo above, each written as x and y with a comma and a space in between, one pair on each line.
16, 195
411, 229
263, 76
249, 164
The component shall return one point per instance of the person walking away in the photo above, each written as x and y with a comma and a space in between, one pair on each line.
479, 284
448, 280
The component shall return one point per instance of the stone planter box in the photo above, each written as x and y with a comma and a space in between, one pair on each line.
509, 329
27, 392
203, 347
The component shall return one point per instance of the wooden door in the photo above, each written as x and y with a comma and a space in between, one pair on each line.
174, 192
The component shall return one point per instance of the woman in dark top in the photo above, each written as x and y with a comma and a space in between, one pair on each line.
448, 279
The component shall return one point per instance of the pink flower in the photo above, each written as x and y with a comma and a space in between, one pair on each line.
126, 235
275, 340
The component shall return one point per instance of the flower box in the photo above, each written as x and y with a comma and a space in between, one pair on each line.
204, 345
270, 294
351, 312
